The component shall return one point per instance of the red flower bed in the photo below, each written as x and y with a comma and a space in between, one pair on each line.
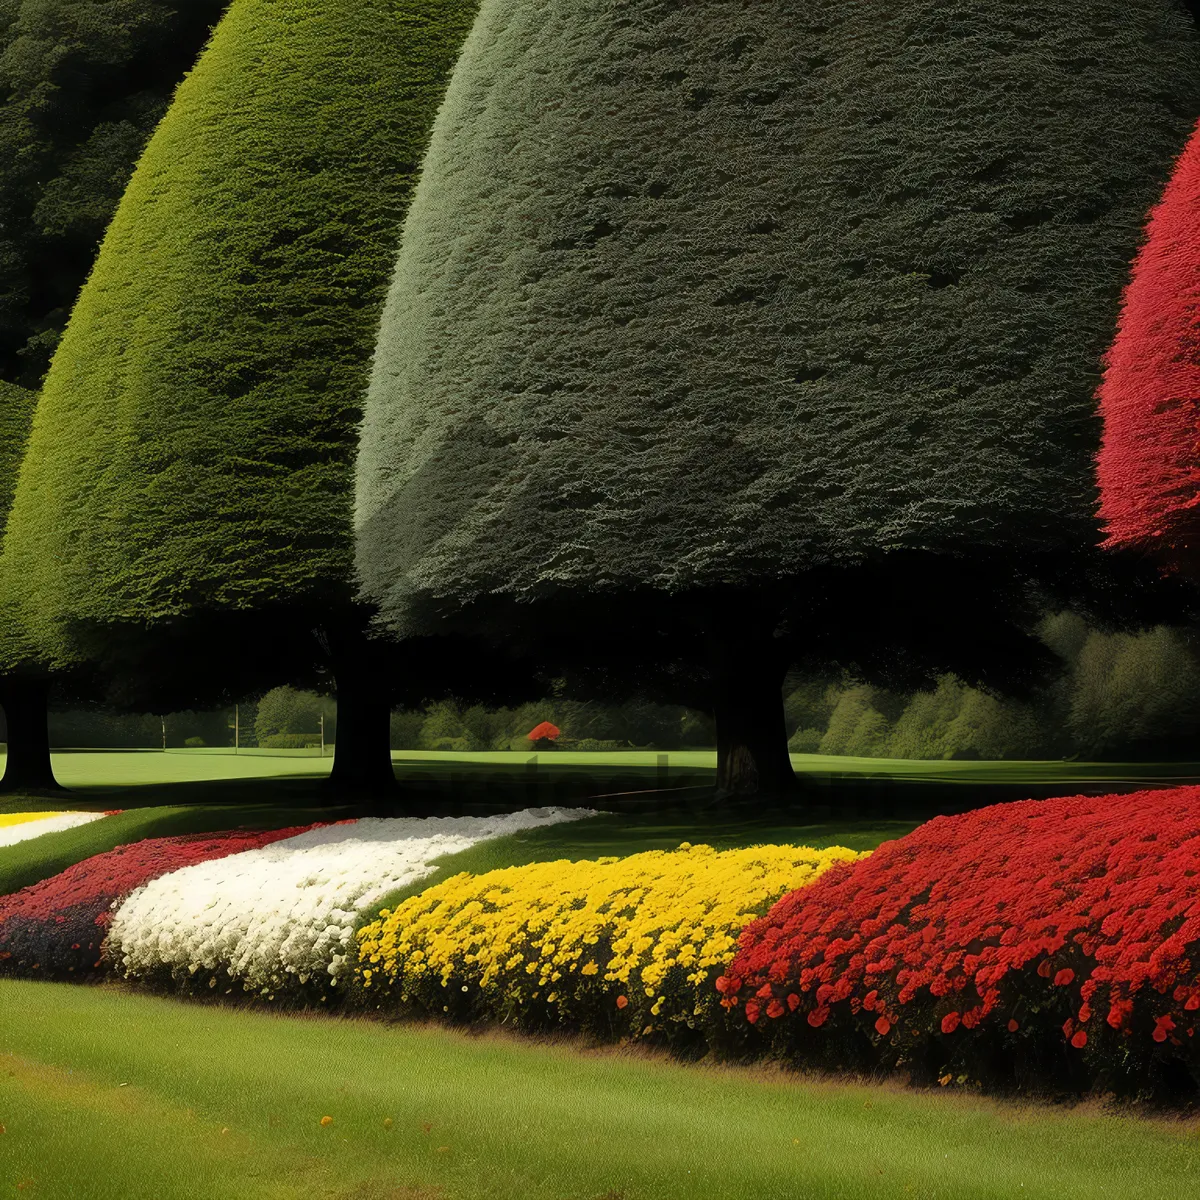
1080, 907
56, 927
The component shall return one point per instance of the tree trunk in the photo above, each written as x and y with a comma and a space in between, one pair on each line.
752, 753
28, 768
362, 754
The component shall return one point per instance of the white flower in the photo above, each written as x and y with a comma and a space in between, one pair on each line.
290, 908
10, 835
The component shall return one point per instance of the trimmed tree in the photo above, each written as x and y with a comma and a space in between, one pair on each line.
24, 692
699, 307
1149, 463
188, 479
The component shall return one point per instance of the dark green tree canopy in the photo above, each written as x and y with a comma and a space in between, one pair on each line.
193, 447
82, 85
16, 416
706, 295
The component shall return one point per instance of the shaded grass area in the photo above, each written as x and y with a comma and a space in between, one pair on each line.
436, 781
109, 1095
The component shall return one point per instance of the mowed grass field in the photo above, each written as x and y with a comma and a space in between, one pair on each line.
100, 771
110, 1095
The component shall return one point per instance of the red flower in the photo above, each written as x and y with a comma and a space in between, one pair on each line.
1013, 1027
622, 1001
1079, 1040
1095, 890
950, 1022
775, 1009
883, 1026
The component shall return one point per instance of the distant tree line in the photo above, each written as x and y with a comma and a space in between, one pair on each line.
1119, 695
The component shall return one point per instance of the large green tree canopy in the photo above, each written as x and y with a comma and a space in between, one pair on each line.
82, 85
193, 448
711, 294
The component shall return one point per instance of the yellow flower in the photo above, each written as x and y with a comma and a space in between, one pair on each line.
664, 917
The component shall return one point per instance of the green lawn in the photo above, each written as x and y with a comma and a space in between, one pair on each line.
88, 771
107, 1094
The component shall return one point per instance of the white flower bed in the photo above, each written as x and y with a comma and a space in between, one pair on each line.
10, 835
289, 910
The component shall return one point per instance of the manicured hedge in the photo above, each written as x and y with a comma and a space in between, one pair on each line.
1149, 467
1045, 942
700, 295
194, 441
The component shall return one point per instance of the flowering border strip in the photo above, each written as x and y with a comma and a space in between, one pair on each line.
1013, 917
56, 927
628, 945
23, 827
282, 919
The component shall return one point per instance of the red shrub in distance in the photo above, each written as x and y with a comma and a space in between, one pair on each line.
1149, 463
56, 927
1000, 918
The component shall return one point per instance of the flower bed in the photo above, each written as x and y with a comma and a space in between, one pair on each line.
628, 945
56, 927
283, 917
1059, 935
20, 827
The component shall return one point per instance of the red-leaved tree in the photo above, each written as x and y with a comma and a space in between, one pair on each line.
1149, 462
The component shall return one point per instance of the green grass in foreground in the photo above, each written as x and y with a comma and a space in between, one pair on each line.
108, 1095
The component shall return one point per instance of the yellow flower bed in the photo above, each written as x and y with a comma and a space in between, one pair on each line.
613, 945
7, 819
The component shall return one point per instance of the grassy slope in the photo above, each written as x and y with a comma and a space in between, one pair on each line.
234, 1098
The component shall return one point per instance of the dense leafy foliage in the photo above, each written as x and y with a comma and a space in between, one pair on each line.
1149, 467
16, 417
82, 85
193, 446
705, 295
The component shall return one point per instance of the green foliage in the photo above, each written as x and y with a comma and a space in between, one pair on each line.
193, 446
16, 417
104, 729
1130, 688
856, 726
82, 85
285, 711
957, 721
290, 741
450, 725
692, 293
